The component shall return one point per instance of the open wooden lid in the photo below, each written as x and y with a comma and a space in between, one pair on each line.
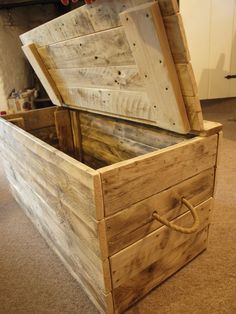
122, 58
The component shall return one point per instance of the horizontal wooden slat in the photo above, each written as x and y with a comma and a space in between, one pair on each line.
62, 216
102, 15
63, 201
137, 132
35, 119
134, 289
72, 181
177, 38
135, 258
146, 35
18, 122
103, 151
155, 172
122, 147
210, 128
132, 105
134, 223
114, 77
64, 247
107, 48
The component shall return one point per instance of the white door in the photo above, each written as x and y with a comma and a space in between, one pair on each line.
211, 32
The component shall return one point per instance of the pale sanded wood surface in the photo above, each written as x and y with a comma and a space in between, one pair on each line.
55, 170
134, 222
155, 172
38, 65
131, 291
100, 222
102, 15
132, 260
96, 41
35, 119
145, 32
112, 77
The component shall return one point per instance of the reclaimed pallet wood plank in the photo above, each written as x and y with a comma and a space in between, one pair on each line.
77, 136
64, 131
155, 172
35, 119
102, 300
135, 222
131, 291
143, 25
106, 48
70, 179
128, 104
40, 69
111, 77
137, 257
137, 132
102, 15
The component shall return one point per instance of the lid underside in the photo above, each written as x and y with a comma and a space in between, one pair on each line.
122, 58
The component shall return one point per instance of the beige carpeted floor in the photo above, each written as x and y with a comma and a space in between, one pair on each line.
33, 280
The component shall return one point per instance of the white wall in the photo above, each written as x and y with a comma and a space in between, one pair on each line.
211, 32
15, 71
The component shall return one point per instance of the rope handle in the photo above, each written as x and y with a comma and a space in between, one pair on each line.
171, 225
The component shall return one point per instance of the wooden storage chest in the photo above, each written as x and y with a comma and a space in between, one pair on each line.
96, 175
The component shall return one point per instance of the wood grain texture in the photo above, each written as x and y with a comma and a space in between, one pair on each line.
111, 148
102, 15
187, 79
137, 132
128, 104
155, 172
38, 65
66, 178
135, 222
76, 132
66, 248
137, 257
111, 77
18, 122
147, 38
210, 128
168, 7
177, 38
35, 119
194, 111
131, 291
64, 131
106, 48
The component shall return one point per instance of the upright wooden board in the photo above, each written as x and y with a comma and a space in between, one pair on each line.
42, 73
117, 58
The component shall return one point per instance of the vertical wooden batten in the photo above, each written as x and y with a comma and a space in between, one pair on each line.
146, 35
40, 69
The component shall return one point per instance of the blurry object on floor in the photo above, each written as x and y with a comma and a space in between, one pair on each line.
19, 101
